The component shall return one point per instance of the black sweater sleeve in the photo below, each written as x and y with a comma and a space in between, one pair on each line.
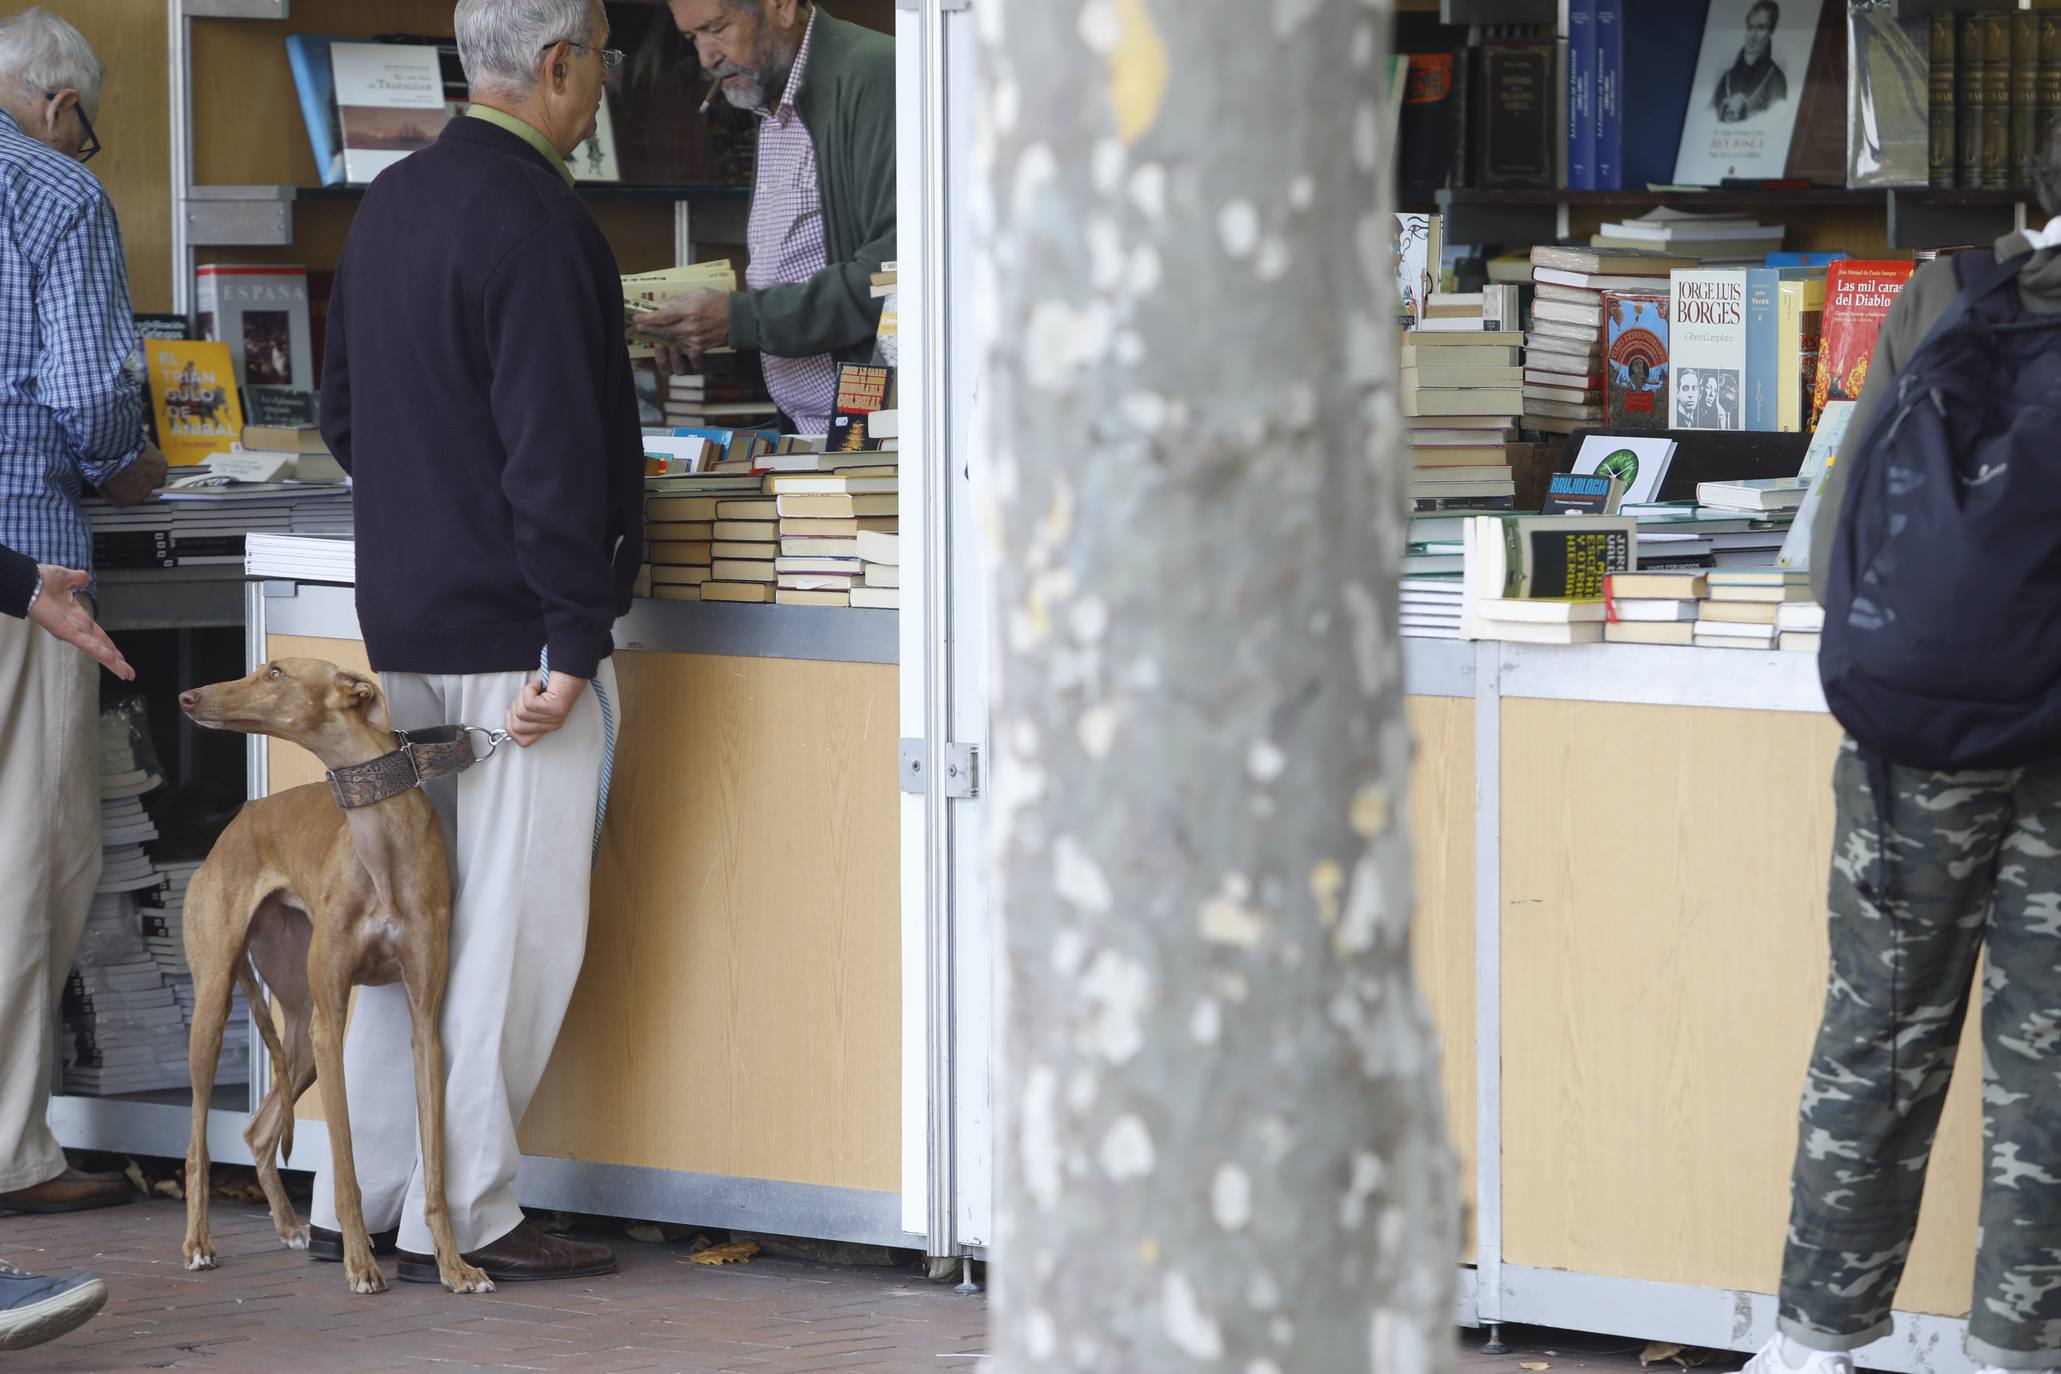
18, 578
548, 331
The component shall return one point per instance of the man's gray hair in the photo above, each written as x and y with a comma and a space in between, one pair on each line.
499, 41
40, 52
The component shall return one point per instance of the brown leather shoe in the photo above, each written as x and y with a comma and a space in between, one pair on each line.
70, 1191
524, 1255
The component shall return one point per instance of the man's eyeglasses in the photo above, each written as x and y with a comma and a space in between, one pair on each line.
92, 143
611, 58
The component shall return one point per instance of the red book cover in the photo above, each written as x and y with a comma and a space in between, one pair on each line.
1857, 299
1635, 359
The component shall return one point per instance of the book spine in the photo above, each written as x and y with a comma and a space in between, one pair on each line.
2048, 83
1968, 102
1996, 101
2025, 96
1581, 95
1763, 348
1940, 102
1609, 95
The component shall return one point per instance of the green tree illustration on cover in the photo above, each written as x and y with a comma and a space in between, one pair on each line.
1623, 465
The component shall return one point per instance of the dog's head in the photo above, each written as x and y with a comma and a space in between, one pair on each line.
299, 699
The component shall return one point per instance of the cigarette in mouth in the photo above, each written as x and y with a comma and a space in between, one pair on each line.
715, 84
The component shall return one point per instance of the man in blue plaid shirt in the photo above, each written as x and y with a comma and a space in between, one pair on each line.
68, 421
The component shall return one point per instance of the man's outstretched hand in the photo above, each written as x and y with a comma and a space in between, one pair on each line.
57, 610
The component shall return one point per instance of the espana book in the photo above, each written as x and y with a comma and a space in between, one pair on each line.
193, 397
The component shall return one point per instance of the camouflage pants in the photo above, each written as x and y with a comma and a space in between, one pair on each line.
1972, 860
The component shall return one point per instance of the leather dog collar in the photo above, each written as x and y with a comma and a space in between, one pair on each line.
424, 756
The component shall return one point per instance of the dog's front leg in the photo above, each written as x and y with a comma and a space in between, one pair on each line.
423, 973
329, 981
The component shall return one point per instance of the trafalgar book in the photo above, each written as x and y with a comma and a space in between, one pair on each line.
1635, 359
193, 399
1743, 99
390, 103
1857, 299
1707, 347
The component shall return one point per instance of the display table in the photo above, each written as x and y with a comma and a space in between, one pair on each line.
1621, 861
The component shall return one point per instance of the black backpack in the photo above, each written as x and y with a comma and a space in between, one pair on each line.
1942, 641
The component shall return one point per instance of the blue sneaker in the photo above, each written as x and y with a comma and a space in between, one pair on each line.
35, 1308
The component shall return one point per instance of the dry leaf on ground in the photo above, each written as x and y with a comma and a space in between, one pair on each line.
1533, 1365
736, 1252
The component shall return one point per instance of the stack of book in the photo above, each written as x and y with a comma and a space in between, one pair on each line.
302, 557
1678, 536
1741, 609
1541, 579
1534, 620
825, 503
745, 552
881, 552
1565, 354
1704, 237
207, 525
124, 1032
1800, 625
1461, 391
162, 918
679, 535
729, 390
1431, 607
1653, 607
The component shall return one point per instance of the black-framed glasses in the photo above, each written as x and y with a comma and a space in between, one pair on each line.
92, 143
611, 58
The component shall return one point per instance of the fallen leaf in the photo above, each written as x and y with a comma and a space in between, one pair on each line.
1533, 1365
1658, 1350
647, 1231
736, 1252
698, 1244
134, 1173
169, 1187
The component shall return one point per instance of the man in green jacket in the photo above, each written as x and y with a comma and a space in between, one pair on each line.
823, 204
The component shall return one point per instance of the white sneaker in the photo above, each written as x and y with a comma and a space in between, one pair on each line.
1783, 1356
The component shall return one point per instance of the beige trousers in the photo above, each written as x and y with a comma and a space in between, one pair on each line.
49, 864
520, 831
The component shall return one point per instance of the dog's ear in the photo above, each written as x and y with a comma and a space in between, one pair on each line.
362, 694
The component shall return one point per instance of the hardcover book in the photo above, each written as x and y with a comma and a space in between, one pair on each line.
313, 79
1996, 100
1515, 116
1858, 295
1432, 137
1889, 124
2048, 103
390, 103
1707, 347
2025, 96
261, 312
1743, 100
1635, 359
1941, 105
1581, 95
1763, 348
193, 397
1968, 88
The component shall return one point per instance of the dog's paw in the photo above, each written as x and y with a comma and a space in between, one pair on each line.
295, 1237
369, 1281
200, 1257
466, 1278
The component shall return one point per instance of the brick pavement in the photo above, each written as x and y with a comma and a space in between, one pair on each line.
267, 1310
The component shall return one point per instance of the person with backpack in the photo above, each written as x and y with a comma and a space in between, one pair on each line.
1940, 578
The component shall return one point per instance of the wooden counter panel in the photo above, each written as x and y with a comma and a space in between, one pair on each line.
740, 1009
1663, 881
1442, 849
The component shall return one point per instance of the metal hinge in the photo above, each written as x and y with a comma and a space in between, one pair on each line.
961, 763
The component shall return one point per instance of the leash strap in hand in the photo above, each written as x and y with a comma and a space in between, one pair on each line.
607, 742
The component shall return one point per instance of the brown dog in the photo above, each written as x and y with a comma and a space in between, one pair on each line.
318, 898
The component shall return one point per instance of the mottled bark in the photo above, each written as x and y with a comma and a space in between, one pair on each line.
1222, 1145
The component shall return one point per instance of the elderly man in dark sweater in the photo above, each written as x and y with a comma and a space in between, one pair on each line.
823, 205
478, 388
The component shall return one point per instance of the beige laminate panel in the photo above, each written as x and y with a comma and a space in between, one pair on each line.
1664, 952
739, 1009
135, 164
1442, 848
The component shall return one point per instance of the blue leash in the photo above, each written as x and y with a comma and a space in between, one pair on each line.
607, 742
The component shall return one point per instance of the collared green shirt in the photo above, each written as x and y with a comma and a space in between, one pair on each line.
525, 131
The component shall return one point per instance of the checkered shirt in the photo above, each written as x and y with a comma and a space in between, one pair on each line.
787, 245
69, 414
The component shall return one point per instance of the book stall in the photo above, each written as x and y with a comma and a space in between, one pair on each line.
747, 1046
1644, 253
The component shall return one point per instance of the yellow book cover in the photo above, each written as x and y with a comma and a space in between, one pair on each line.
194, 396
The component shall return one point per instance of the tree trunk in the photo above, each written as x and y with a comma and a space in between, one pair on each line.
1222, 1141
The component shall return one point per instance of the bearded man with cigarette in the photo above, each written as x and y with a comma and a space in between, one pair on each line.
823, 205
